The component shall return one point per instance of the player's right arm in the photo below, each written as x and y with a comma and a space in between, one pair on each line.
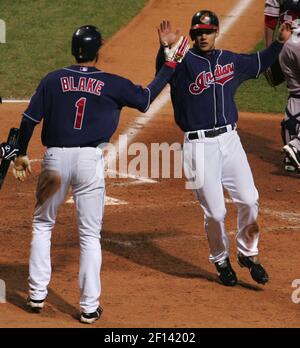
31, 117
140, 98
251, 66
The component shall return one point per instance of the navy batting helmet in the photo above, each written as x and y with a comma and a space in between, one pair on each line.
86, 42
203, 19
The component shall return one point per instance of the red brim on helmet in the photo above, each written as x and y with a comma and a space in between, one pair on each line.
204, 26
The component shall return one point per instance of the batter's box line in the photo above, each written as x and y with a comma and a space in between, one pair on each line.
138, 179
282, 215
108, 201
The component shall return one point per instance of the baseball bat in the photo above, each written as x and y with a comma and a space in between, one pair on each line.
11, 140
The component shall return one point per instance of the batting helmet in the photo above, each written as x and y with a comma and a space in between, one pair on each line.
203, 19
86, 41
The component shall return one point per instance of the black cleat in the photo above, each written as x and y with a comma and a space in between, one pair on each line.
35, 305
294, 155
225, 272
289, 165
258, 273
90, 318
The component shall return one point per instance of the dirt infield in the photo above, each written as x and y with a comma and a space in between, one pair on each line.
155, 269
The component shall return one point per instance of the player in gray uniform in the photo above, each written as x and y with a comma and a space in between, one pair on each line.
281, 11
290, 65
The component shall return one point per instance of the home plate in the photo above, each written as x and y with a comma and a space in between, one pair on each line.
108, 201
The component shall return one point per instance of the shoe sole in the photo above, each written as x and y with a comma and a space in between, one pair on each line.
87, 321
229, 285
291, 169
35, 307
292, 155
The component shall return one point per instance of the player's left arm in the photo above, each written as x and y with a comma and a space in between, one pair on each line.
271, 54
252, 65
138, 97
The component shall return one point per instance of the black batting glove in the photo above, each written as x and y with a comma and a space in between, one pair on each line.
8, 152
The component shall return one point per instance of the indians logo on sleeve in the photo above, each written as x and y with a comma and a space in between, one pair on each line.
204, 80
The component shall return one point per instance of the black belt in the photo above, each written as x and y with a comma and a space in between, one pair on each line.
291, 95
211, 133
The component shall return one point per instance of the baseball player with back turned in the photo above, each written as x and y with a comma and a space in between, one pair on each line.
80, 107
202, 93
281, 11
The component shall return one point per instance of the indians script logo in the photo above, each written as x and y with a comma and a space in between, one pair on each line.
204, 80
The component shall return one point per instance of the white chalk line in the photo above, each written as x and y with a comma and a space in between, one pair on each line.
108, 201
16, 101
112, 172
140, 179
282, 215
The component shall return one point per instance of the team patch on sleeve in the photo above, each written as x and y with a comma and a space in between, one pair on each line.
84, 84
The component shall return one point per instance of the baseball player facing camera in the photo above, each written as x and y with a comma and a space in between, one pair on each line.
80, 106
202, 92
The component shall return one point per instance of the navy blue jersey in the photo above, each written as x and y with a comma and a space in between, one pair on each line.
203, 85
81, 106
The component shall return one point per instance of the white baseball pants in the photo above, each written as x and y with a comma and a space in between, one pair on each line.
214, 164
83, 169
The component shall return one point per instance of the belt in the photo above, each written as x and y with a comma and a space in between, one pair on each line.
210, 133
292, 95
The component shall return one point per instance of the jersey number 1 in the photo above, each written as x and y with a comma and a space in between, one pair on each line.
80, 108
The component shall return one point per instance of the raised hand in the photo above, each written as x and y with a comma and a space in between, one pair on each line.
167, 37
284, 32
